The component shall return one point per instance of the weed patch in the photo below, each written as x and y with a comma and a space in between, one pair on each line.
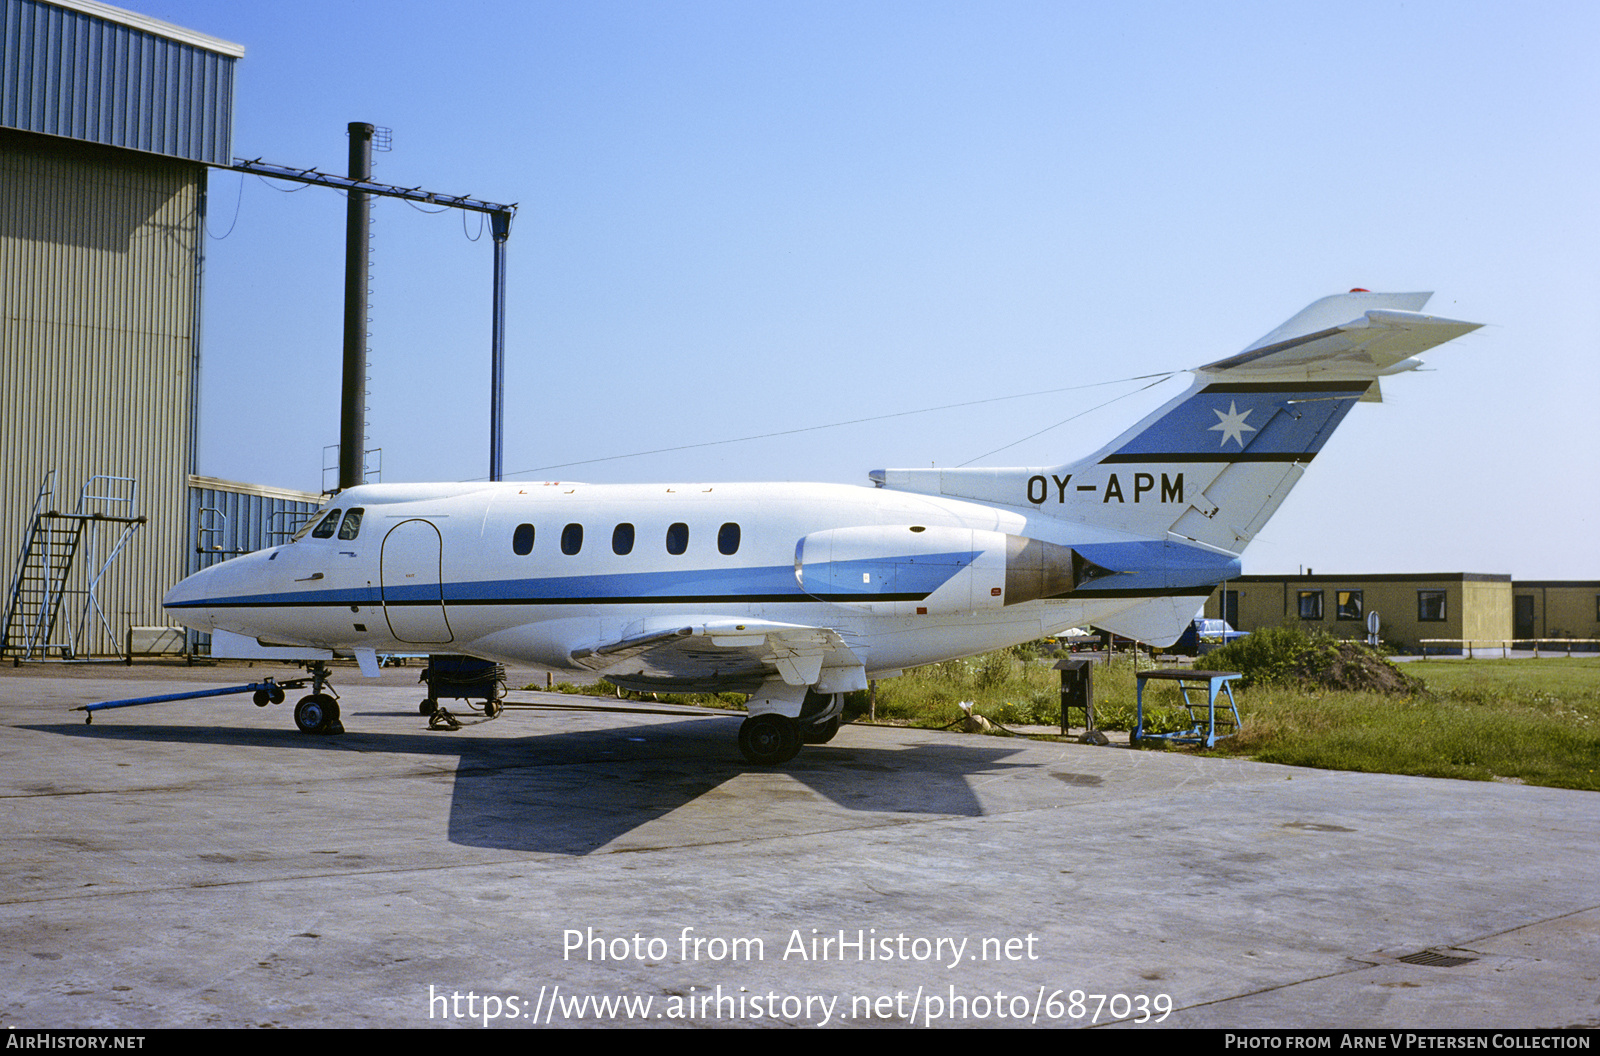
1536, 721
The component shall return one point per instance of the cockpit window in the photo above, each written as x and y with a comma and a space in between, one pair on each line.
304, 530
352, 524
325, 529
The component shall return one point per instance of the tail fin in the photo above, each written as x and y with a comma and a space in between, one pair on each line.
1212, 465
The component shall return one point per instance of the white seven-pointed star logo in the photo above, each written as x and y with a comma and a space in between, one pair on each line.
1231, 425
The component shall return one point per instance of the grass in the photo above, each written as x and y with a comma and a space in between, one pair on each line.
1010, 688
1534, 721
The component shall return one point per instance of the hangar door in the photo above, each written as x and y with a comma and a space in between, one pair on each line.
411, 568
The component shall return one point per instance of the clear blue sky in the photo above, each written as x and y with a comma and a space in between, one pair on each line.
740, 218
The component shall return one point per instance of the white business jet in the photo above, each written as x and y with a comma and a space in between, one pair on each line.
799, 593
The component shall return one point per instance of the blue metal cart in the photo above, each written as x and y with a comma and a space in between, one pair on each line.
1210, 724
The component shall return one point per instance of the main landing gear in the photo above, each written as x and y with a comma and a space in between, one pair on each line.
772, 739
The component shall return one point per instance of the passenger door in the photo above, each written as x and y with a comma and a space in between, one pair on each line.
411, 571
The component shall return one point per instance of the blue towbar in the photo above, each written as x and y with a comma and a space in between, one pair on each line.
268, 691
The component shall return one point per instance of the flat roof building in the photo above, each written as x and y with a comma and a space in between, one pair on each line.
1415, 608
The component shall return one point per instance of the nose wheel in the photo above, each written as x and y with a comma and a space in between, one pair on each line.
318, 713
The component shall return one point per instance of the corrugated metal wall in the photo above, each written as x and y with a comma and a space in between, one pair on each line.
98, 250
68, 73
230, 519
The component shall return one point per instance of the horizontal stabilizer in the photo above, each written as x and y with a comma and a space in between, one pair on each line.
1349, 336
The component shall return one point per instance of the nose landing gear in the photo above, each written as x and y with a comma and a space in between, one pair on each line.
319, 712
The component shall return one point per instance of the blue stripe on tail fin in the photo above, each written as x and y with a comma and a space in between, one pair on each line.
1243, 422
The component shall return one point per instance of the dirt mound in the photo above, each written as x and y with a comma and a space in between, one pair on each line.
1344, 665
1288, 656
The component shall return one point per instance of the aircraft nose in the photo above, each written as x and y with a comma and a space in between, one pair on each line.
179, 592
198, 590
186, 598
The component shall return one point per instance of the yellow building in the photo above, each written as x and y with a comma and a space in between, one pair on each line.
1410, 607
1415, 607
1553, 609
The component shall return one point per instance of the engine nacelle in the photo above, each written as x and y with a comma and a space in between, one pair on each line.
926, 570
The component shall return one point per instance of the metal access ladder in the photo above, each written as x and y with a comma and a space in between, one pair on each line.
45, 614
1210, 722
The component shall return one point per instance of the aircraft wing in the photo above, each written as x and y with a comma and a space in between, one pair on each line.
719, 654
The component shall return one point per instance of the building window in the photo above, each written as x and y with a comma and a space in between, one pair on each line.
1311, 604
571, 539
1349, 605
1430, 606
678, 538
728, 539
622, 539
522, 540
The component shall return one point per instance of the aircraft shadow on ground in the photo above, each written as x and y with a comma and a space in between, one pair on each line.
573, 793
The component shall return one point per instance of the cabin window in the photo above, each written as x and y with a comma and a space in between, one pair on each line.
622, 539
728, 539
325, 529
678, 538
522, 540
1311, 604
351, 526
571, 539
1348, 605
1430, 606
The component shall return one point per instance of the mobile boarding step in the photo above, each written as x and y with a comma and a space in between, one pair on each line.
1210, 724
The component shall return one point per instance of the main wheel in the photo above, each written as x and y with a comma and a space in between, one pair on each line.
316, 713
820, 732
769, 740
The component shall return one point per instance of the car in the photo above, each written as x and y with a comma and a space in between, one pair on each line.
1205, 635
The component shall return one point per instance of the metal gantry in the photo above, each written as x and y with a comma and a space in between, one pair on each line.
500, 217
